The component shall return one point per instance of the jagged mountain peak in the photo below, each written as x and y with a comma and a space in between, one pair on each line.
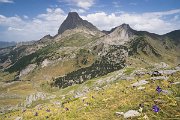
74, 15
125, 27
72, 21
120, 35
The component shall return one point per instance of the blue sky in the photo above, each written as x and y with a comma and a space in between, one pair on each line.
23, 20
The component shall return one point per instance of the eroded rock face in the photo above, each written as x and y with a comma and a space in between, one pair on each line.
27, 70
45, 63
37, 96
161, 65
120, 35
168, 72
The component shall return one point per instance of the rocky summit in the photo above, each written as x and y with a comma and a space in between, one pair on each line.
82, 73
74, 21
120, 35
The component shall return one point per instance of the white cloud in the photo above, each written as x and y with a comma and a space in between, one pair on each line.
6, 1
25, 17
84, 4
78, 10
152, 22
176, 17
11, 21
160, 14
14, 29
31, 29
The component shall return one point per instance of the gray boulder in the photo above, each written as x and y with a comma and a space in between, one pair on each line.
159, 78
139, 83
19, 118
128, 114
131, 113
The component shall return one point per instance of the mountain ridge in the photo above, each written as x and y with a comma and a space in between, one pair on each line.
76, 25
4, 44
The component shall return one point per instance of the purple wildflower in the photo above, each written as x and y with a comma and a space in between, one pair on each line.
158, 89
36, 114
155, 108
67, 109
48, 110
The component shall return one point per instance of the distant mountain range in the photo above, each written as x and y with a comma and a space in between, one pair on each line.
4, 44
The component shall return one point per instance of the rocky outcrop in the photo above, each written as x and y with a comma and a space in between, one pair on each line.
27, 70
37, 96
34, 97
161, 65
45, 63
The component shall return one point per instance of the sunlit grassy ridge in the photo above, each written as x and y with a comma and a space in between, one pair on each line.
151, 50
117, 96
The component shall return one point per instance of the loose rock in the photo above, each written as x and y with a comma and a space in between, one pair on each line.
159, 78
19, 118
139, 83
141, 88
131, 113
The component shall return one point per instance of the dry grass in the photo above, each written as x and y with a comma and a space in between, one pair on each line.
118, 96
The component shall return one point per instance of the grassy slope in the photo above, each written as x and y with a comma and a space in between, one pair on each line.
37, 79
15, 93
51, 51
117, 96
145, 49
